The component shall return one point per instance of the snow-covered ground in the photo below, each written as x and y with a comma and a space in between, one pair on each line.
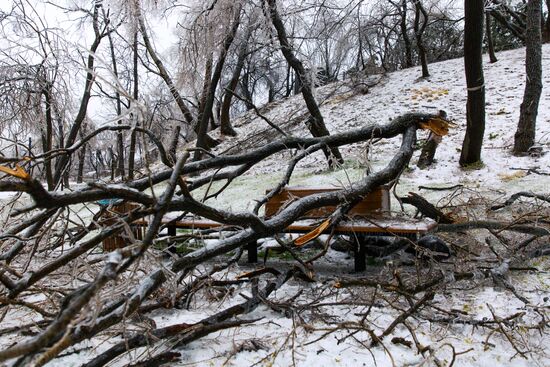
398, 93
285, 340
311, 332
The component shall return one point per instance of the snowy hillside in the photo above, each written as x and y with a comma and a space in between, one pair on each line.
280, 340
345, 107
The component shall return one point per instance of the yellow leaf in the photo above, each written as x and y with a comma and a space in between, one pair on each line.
17, 172
313, 234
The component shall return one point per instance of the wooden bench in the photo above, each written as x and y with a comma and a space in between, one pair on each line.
112, 209
370, 217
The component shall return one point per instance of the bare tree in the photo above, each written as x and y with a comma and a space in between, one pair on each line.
525, 134
213, 83
120, 170
547, 24
316, 123
100, 32
489, 36
225, 118
165, 75
135, 93
402, 8
419, 32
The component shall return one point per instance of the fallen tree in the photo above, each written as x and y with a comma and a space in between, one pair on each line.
47, 241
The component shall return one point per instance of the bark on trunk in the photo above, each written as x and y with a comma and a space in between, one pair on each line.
547, 26
207, 82
90, 77
316, 124
81, 162
228, 41
489, 35
81, 158
246, 92
225, 118
475, 107
419, 32
47, 139
132, 152
405, 35
525, 134
428, 151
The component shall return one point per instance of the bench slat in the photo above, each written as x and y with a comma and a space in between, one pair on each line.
383, 225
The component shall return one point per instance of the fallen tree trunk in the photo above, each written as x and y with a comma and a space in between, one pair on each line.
487, 224
426, 208
132, 190
188, 332
253, 227
518, 195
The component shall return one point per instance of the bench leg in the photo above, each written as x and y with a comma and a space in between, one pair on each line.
359, 257
171, 232
252, 249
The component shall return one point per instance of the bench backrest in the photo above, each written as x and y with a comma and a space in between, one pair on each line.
374, 203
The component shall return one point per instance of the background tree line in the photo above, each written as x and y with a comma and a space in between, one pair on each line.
224, 58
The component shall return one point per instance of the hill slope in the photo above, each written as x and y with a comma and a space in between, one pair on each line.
345, 107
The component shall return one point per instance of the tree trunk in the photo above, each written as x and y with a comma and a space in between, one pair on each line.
132, 152
163, 72
81, 162
120, 140
289, 82
213, 121
225, 118
525, 134
271, 92
47, 139
82, 111
419, 32
475, 107
427, 154
547, 26
207, 81
112, 162
316, 123
81, 157
203, 125
405, 35
360, 62
66, 182
489, 35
